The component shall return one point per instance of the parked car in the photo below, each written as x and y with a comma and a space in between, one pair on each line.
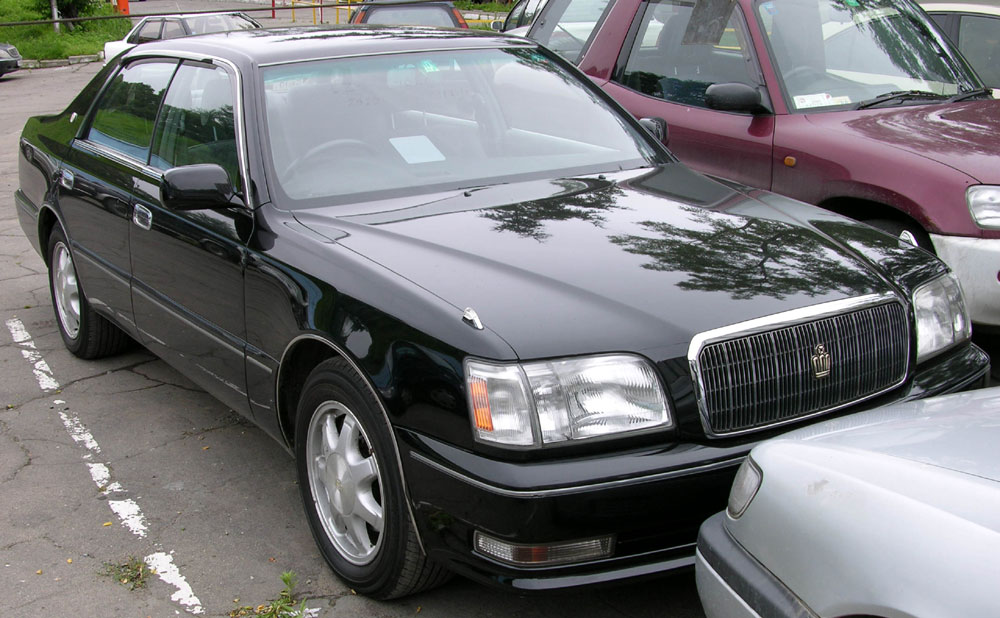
10, 59
519, 19
975, 27
495, 343
156, 28
441, 14
860, 106
890, 512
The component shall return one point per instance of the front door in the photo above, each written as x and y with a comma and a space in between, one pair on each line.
187, 265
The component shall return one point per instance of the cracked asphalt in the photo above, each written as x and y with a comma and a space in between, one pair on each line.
100, 461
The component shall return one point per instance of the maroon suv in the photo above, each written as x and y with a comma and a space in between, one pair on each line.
860, 106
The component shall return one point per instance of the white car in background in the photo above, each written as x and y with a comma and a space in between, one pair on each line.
892, 512
155, 28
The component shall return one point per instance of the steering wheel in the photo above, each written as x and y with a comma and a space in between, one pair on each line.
327, 148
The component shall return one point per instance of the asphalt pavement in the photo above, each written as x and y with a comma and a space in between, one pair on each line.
102, 461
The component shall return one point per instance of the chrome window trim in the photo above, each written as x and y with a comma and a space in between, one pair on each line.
783, 320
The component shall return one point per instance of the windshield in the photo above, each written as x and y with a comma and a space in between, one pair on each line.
835, 53
380, 126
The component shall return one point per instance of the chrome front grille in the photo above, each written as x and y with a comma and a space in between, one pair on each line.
768, 376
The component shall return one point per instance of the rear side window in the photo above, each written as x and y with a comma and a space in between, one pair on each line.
172, 29
196, 124
125, 114
680, 50
569, 25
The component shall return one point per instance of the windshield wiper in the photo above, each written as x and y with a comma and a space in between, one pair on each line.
978, 92
898, 95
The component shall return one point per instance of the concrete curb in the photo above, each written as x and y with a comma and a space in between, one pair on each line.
28, 63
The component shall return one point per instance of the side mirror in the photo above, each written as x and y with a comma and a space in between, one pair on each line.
496, 25
197, 187
657, 127
734, 97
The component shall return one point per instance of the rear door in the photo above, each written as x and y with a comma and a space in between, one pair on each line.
95, 188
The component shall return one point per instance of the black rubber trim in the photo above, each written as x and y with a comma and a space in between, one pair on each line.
757, 586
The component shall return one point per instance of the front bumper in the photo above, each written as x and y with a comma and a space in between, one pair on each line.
650, 499
732, 584
976, 262
9, 65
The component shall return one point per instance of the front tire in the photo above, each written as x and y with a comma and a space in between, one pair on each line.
352, 488
85, 333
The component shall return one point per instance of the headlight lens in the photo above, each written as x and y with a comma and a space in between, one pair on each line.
941, 316
5, 54
573, 399
745, 487
984, 204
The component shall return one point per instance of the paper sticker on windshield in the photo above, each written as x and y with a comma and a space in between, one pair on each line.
416, 149
819, 100
428, 67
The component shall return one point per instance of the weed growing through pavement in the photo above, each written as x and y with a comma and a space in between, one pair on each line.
132, 573
285, 606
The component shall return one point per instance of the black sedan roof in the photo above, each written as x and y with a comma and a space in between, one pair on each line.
273, 46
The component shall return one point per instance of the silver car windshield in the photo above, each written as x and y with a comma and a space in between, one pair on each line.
836, 53
379, 126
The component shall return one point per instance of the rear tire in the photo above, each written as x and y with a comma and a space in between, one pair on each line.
352, 489
85, 333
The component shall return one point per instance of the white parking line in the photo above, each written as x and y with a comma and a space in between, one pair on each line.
126, 509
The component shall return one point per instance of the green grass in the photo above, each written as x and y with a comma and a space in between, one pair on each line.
484, 7
41, 42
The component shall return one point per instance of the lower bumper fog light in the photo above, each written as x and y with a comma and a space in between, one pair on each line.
544, 555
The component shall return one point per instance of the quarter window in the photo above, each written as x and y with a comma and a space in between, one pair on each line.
680, 50
149, 32
196, 124
126, 112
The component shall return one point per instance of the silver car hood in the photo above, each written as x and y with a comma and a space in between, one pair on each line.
959, 432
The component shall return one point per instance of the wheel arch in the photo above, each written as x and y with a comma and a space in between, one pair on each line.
301, 355
861, 209
47, 221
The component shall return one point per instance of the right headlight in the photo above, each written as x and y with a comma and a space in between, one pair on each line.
984, 204
941, 317
538, 403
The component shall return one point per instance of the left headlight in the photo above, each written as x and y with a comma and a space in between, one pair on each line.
984, 204
545, 402
5, 53
941, 317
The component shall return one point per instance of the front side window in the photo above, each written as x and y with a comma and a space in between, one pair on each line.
682, 48
196, 124
979, 41
837, 53
149, 32
125, 114
348, 129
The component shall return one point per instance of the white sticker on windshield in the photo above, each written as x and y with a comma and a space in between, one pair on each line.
819, 100
416, 149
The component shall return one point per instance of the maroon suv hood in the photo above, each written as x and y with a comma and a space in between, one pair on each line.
960, 135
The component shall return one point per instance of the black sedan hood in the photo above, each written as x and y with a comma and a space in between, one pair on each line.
636, 261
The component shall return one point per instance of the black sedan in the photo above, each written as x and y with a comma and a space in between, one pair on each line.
502, 330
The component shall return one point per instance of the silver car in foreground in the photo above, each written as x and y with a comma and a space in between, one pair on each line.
892, 512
